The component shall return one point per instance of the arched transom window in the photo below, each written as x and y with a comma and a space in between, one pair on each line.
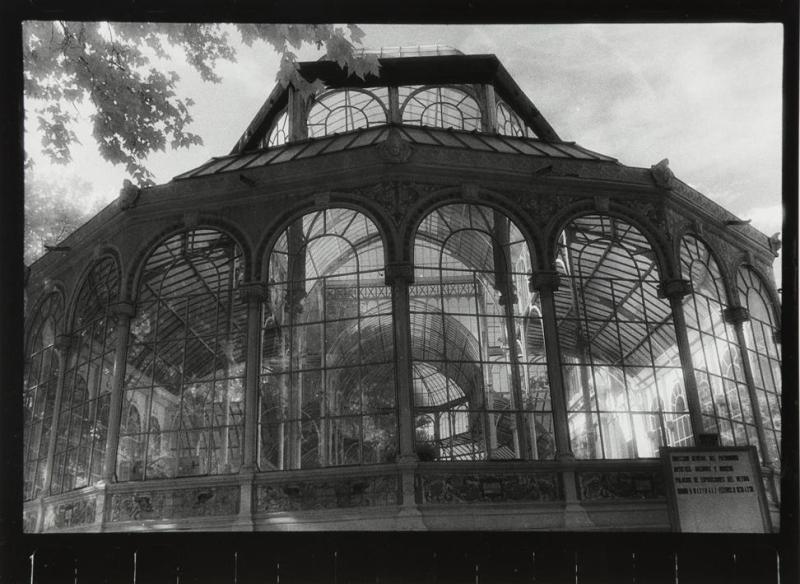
509, 123
439, 107
344, 110
328, 377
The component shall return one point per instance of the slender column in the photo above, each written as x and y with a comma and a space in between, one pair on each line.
399, 276
394, 106
675, 290
124, 311
489, 121
522, 434
546, 283
298, 129
737, 316
253, 294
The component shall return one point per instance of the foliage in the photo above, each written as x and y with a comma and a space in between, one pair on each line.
52, 211
137, 110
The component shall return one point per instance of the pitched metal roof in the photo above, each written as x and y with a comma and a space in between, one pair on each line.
375, 135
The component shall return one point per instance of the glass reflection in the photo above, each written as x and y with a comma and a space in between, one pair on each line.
763, 353
39, 393
619, 356
183, 392
83, 415
480, 385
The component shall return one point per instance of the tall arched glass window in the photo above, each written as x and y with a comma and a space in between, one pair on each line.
39, 393
619, 356
83, 416
344, 110
765, 358
183, 396
328, 377
721, 384
439, 107
480, 383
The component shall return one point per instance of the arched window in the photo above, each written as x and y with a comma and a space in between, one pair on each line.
479, 374
619, 354
279, 133
722, 387
328, 377
185, 362
83, 417
344, 110
765, 359
41, 379
509, 123
439, 107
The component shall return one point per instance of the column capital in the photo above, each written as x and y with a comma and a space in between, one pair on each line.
397, 272
124, 308
508, 297
252, 291
544, 280
675, 288
736, 314
63, 342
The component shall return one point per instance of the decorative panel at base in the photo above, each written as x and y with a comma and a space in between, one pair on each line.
29, 519
328, 494
596, 486
70, 513
174, 504
488, 488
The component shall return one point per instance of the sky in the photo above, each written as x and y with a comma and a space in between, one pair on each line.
705, 96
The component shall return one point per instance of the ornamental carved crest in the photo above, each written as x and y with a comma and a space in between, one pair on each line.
395, 197
542, 207
395, 149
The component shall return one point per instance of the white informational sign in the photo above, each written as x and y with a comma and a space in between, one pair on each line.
716, 490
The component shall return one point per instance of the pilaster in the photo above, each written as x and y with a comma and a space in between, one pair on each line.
124, 311
400, 275
675, 290
253, 294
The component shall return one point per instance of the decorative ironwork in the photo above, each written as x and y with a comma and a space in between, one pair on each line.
674, 288
488, 488
370, 491
394, 197
735, 314
174, 504
70, 514
662, 175
594, 486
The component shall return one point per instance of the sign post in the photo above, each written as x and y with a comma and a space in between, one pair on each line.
715, 489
